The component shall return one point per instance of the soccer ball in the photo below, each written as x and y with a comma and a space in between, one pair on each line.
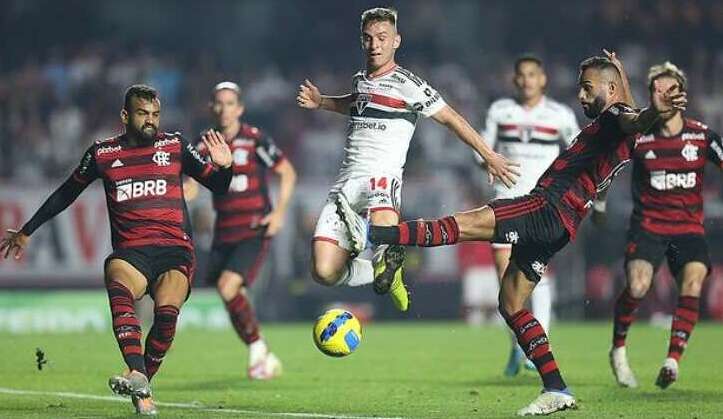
337, 332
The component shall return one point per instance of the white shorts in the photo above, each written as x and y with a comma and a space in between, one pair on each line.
366, 194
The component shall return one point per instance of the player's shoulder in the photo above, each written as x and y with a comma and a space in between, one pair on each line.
557, 107
405, 76
695, 125
105, 145
250, 132
502, 104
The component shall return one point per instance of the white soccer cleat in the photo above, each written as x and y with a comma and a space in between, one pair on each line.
668, 373
356, 226
621, 369
549, 402
269, 367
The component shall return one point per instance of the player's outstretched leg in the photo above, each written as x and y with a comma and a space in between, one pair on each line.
514, 292
639, 275
262, 364
684, 320
474, 225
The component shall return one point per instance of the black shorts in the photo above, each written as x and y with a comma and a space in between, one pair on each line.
154, 261
244, 258
678, 249
534, 229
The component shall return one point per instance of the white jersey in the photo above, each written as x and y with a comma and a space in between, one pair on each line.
532, 137
382, 118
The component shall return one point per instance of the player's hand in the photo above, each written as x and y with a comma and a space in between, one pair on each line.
13, 242
505, 170
273, 222
667, 97
217, 148
309, 96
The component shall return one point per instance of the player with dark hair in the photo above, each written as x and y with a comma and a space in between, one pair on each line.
150, 230
246, 220
667, 220
384, 105
530, 128
541, 223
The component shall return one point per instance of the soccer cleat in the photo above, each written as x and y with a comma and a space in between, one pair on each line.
356, 227
668, 373
388, 264
621, 369
549, 401
134, 384
266, 369
513, 362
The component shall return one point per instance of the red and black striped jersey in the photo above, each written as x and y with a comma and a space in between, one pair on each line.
144, 194
587, 167
239, 211
668, 178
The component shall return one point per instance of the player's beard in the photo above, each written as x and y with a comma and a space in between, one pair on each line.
147, 133
594, 108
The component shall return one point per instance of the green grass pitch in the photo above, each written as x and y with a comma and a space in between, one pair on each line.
414, 369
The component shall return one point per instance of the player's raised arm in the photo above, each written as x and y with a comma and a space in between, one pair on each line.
671, 100
309, 97
204, 172
16, 241
497, 165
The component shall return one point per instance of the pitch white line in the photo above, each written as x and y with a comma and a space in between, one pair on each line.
200, 407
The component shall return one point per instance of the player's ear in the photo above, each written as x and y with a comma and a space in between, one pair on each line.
124, 116
242, 109
397, 41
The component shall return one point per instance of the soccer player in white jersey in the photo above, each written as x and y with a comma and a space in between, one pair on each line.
383, 107
530, 129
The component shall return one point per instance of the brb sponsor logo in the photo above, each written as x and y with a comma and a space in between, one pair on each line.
128, 189
662, 181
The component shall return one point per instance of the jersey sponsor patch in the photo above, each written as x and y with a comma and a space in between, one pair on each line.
663, 181
128, 189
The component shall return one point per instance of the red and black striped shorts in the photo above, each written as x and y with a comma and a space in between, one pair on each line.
534, 229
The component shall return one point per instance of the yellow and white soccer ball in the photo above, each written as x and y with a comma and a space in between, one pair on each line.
337, 332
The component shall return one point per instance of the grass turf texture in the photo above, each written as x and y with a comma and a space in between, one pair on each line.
414, 369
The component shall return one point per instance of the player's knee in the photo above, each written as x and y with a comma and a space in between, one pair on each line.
229, 284
640, 277
325, 273
506, 307
693, 278
639, 286
172, 290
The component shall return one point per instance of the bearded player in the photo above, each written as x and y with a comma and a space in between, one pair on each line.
667, 220
541, 223
383, 108
152, 248
530, 129
246, 221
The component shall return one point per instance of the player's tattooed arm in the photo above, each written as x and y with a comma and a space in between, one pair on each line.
497, 165
627, 91
309, 97
663, 102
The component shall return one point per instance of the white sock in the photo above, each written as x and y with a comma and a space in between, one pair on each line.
257, 352
358, 272
542, 303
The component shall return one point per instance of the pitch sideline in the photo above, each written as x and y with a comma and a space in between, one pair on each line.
199, 407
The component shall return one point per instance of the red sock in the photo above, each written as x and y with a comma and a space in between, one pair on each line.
160, 337
243, 318
533, 340
126, 326
625, 307
684, 320
423, 233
